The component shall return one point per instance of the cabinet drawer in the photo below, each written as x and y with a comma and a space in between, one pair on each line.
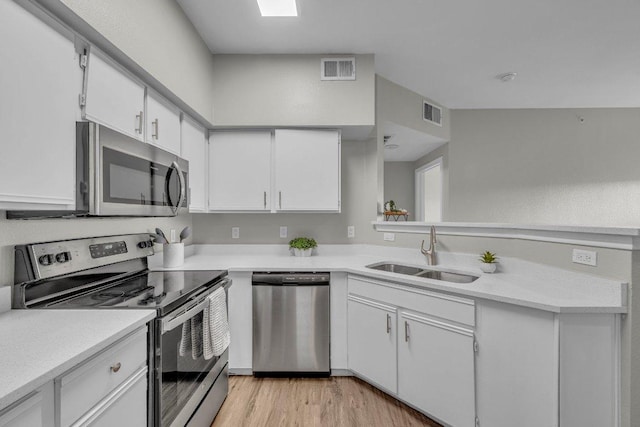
457, 309
82, 388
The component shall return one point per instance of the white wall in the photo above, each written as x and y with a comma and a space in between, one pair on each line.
156, 35
286, 90
545, 166
399, 185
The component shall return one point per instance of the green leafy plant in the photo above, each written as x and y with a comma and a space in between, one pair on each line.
390, 205
488, 257
303, 243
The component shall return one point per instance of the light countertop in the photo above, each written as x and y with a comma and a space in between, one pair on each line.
38, 345
516, 282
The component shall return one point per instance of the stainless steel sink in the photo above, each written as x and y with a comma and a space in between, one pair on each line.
396, 268
445, 276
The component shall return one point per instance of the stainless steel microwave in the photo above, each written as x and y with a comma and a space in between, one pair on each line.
117, 175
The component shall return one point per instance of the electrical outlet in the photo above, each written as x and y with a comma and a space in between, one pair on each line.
389, 237
351, 232
283, 232
581, 256
235, 232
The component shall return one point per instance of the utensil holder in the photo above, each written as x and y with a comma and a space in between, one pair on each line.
173, 255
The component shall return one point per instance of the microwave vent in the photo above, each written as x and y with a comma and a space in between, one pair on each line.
338, 69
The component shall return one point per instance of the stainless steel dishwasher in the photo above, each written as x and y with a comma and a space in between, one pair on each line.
291, 324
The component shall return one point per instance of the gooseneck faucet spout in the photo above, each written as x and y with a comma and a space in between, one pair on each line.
431, 252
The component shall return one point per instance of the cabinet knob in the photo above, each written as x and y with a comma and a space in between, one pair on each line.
116, 367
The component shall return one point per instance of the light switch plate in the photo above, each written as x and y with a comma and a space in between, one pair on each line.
389, 237
351, 232
283, 232
235, 232
580, 256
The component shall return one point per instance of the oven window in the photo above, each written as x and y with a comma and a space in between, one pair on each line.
183, 367
132, 180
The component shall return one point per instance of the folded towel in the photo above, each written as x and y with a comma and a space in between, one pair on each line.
185, 340
191, 340
215, 325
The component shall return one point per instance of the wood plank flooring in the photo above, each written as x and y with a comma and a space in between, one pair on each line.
335, 401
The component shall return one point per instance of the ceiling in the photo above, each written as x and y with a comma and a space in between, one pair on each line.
569, 53
411, 144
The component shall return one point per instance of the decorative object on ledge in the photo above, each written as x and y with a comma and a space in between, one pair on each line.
489, 262
392, 211
302, 246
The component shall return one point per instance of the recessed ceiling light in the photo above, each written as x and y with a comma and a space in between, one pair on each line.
506, 77
391, 146
278, 7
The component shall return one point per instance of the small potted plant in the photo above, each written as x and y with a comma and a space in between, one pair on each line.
302, 246
488, 262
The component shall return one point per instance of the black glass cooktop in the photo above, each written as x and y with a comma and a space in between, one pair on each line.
159, 290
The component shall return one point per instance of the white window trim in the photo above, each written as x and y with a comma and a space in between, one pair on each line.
419, 203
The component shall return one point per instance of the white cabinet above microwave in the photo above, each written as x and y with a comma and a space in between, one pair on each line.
163, 123
112, 97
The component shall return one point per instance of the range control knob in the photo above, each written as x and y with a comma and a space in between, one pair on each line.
145, 244
46, 259
63, 256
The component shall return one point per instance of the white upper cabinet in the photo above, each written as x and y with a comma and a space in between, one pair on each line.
163, 123
240, 171
113, 98
40, 80
194, 149
307, 170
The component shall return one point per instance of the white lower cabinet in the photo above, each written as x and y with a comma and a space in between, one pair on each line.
34, 410
425, 358
436, 368
371, 344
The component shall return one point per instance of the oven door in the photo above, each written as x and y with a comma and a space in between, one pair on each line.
133, 178
183, 375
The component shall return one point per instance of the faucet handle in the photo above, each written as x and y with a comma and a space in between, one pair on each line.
422, 249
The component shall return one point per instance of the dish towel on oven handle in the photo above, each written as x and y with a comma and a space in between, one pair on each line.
192, 339
216, 336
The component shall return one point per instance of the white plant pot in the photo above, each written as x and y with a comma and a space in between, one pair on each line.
488, 267
302, 252
173, 255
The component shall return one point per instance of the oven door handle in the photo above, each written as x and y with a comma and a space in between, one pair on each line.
183, 190
172, 323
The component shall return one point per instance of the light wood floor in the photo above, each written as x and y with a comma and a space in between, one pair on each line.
335, 401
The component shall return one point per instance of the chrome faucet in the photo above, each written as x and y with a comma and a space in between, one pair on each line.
431, 252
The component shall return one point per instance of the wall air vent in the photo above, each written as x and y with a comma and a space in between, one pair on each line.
432, 113
338, 69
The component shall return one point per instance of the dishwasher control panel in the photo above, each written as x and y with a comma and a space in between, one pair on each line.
282, 278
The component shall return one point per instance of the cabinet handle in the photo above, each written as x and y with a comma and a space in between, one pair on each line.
156, 127
280, 199
388, 323
406, 331
139, 117
116, 367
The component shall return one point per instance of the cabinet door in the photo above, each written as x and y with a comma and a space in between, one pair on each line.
113, 98
307, 170
194, 149
40, 80
436, 368
371, 341
240, 171
34, 410
163, 123
127, 406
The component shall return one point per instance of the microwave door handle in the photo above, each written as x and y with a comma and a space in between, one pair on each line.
183, 184
170, 324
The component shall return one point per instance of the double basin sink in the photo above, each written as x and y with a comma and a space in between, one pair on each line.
446, 276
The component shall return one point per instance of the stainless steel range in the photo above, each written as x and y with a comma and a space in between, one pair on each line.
185, 388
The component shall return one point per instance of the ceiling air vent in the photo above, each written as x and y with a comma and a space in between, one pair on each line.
338, 69
432, 113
